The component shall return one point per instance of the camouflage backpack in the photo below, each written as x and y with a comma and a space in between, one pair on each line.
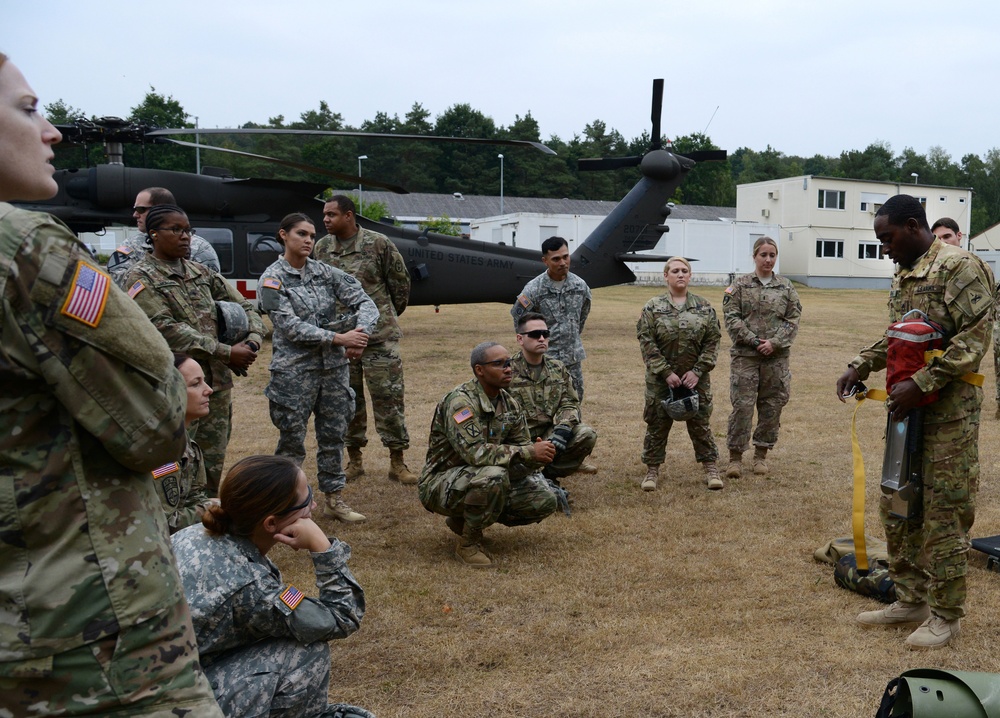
875, 584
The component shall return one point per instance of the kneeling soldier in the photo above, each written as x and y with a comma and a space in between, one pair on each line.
482, 466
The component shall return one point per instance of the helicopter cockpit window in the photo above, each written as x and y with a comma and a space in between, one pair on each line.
263, 250
221, 240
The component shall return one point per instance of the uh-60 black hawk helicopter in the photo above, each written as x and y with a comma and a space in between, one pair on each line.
240, 216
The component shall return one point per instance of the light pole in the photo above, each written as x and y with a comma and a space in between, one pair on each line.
197, 150
361, 195
915, 177
501, 183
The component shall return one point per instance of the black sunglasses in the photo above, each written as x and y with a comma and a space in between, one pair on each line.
504, 363
299, 507
139, 209
537, 334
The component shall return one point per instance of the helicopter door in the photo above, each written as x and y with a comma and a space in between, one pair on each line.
221, 239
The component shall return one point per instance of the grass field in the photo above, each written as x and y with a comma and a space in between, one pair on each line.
679, 602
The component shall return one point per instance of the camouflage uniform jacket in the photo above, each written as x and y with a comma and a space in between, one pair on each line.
375, 262
957, 293
238, 597
302, 304
137, 246
678, 340
179, 298
181, 488
87, 410
548, 400
468, 430
565, 309
754, 310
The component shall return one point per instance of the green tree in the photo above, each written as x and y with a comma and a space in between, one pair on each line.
157, 110
708, 183
874, 163
441, 225
466, 168
67, 157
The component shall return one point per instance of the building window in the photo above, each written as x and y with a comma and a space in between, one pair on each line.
942, 199
961, 200
870, 250
922, 201
832, 199
864, 206
830, 248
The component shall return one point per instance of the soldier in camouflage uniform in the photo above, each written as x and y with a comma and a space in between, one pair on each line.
264, 644
137, 246
545, 391
375, 262
928, 554
181, 485
92, 618
679, 338
762, 311
317, 311
564, 300
482, 466
180, 296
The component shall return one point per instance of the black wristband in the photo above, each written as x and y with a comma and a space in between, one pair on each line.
253, 345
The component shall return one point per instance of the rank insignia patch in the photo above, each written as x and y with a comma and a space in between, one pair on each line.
87, 295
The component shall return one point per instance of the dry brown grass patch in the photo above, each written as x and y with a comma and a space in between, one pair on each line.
681, 602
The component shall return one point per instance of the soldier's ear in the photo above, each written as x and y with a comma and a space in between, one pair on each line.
270, 524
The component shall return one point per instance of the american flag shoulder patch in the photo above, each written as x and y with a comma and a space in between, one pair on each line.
124, 249
291, 597
730, 289
462, 415
271, 283
136, 288
524, 300
166, 470
88, 294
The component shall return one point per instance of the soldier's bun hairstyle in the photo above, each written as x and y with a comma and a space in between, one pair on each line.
179, 359
255, 488
157, 216
289, 221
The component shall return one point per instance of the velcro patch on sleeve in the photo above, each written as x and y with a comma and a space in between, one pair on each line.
462, 415
166, 470
124, 249
729, 289
135, 289
88, 294
291, 597
271, 283
524, 300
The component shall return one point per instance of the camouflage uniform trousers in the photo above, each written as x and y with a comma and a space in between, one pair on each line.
576, 371
330, 400
928, 555
212, 433
485, 495
996, 355
382, 369
580, 446
138, 671
658, 424
765, 383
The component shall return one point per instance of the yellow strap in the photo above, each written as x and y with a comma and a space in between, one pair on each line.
858, 504
970, 378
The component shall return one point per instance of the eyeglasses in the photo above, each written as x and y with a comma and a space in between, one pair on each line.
178, 230
499, 363
299, 507
139, 209
537, 334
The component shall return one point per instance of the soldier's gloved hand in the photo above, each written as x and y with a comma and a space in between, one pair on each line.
345, 710
561, 436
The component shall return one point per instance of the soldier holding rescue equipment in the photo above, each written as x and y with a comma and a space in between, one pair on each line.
679, 337
762, 312
184, 300
928, 553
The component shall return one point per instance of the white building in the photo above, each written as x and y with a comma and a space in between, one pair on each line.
826, 237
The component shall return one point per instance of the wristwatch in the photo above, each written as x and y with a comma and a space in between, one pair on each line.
756, 342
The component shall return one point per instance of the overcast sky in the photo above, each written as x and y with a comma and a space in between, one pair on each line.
804, 77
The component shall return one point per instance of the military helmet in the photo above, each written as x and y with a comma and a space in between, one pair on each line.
682, 404
232, 322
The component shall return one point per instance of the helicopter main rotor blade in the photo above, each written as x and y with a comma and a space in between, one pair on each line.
705, 155
598, 164
369, 135
656, 113
297, 165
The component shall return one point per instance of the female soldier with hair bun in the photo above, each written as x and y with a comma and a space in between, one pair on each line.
318, 312
263, 644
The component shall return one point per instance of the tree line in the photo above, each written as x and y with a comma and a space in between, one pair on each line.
423, 166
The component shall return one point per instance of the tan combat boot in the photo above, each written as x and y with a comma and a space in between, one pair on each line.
336, 509
397, 469
712, 477
898, 614
586, 468
935, 632
735, 468
652, 473
355, 470
759, 465
469, 551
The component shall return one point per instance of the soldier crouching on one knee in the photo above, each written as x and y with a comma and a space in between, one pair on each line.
545, 390
482, 466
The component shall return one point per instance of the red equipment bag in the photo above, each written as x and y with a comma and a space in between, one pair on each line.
909, 339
